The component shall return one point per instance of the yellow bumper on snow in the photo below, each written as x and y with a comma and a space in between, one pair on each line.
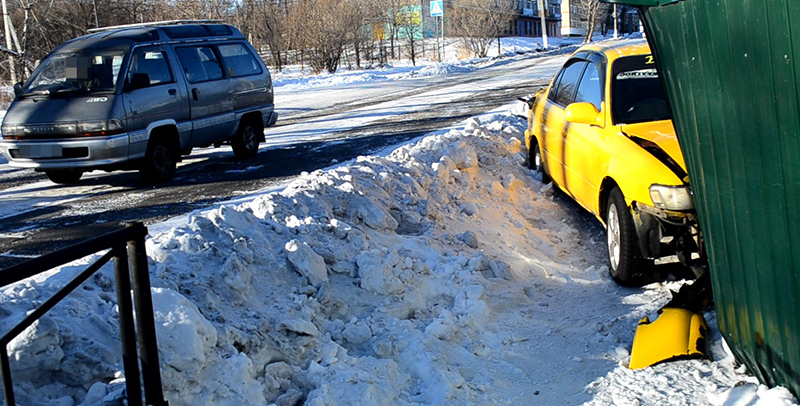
676, 333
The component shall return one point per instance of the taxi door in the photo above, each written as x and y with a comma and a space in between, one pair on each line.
584, 149
553, 121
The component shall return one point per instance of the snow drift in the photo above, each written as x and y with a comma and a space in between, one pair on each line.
442, 273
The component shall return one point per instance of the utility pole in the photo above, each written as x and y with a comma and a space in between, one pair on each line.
6, 20
616, 33
96, 20
444, 47
544, 24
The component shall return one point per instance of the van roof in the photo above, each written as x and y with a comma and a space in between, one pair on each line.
155, 33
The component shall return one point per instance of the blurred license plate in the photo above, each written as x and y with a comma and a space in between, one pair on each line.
40, 151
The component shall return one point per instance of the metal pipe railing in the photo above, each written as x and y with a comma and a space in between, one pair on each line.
126, 246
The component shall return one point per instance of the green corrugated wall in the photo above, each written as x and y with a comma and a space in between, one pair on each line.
731, 69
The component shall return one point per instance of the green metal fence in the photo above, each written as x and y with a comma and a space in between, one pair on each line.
731, 70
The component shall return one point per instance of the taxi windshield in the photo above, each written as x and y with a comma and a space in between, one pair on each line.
85, 71
636, 93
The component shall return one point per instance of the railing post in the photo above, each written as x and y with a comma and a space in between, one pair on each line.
5, 371
148, 344
130, 361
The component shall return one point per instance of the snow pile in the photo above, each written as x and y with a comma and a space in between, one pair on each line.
440, 69
290, 81
443, 273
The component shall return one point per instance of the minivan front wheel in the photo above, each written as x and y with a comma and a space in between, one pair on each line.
245, 142
627, 266
159, 161
64, 177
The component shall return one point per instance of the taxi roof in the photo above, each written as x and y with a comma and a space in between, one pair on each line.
618, 48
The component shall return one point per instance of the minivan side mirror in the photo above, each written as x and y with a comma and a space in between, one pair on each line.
584, 113
17, 88
139, 81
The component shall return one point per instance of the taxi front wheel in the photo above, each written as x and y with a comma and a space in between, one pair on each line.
627, 266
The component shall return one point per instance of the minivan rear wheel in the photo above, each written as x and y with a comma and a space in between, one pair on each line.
159, 161
64, 177
627, 266
245, 142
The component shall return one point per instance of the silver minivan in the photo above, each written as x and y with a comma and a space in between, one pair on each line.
139, 97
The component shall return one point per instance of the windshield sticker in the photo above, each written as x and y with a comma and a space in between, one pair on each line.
638, 74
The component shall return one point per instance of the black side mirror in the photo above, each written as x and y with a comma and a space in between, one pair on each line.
17, 88
139, 81
528, 100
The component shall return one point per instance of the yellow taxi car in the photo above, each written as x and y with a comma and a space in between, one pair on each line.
602, 132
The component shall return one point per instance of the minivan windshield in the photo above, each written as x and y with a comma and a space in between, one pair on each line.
636, 93
85, 71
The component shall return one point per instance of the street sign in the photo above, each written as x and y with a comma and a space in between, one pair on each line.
437, 10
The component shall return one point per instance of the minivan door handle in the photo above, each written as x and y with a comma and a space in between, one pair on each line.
195, 94
172, 92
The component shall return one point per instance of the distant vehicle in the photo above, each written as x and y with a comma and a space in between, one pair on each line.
138, 97
602, 131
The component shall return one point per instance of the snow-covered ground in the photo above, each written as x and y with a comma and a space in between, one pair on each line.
441, 272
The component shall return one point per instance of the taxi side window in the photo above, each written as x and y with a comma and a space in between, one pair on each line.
552, 95
568, 84
590, 89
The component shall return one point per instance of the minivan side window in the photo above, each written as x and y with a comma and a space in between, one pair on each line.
150, 62
200, 63
238, 60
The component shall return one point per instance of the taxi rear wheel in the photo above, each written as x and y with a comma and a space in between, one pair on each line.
535, 161
627, 266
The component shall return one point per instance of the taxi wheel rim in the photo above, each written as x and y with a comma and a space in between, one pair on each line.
537, 159
613, 236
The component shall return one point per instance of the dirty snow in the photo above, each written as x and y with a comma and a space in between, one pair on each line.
442, 273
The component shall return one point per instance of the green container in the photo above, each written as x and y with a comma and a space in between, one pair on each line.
731, 71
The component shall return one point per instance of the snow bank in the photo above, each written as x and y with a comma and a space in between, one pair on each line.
443, 273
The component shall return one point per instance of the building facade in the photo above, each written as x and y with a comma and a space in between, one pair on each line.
527, 22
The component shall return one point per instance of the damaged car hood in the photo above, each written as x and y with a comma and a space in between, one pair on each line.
658, 135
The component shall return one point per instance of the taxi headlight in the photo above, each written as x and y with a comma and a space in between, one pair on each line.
671, 197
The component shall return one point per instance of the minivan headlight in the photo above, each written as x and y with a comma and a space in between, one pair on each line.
12, 130
100, 128
671, 197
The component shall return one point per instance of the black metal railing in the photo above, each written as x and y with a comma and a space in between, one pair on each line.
126, 248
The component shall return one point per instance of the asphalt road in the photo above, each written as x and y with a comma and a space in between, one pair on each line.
103, 201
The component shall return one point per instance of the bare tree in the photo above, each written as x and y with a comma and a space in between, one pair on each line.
409, 20
478, 22
390, 12
594, 11
202, 9
266, 20
331, 21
